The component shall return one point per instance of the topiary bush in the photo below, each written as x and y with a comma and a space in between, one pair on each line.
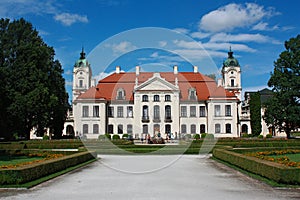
269, 135
203, 135
125, 136
197, 136
115, 137
45, 137
108, 136
260, 136
245, 135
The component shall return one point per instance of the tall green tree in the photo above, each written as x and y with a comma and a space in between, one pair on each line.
255, 113
283, 108
32, 86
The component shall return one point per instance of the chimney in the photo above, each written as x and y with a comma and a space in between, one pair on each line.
118, 69
137, 70
195, 69
175, 68
220, 82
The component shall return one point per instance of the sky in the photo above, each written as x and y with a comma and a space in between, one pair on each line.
160, 34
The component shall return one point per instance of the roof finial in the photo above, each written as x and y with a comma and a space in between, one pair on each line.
82, 54
230, 53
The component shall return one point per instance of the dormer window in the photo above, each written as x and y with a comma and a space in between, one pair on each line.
120, 94
145, 98
192, 94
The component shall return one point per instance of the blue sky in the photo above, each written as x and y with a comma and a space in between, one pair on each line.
255, 30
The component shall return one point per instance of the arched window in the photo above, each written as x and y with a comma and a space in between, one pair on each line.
85, 128
120, 129
129, 128
183, 128
168, 113
145, 98
217, 128
156, 115
156, 98
228, 128
232, 82
120, 94
192, 94
202, 128
95, 128
168, 128
193, 129
110, 129
244, 128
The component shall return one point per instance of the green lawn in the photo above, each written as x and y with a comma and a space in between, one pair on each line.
292, 157
14, 160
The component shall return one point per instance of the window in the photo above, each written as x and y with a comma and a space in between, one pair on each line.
145, 111
145, 129
202, 128
217, 128
120, 94
193, 129
183, 128
145, 98
85, 111
232, 82
156, 98
202, 111
183, 111
168, 112
228, 128
192, 94
129, 128
227, 110
156, 114
167, 98
129, 111
95, 128
168, 128
217, 110
96, 111
193, 111
110, 129
110, 112
120, 129
120, 111
80, 83
85, 128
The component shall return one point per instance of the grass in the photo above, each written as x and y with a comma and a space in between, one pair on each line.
15, 160
256, 176
46, 178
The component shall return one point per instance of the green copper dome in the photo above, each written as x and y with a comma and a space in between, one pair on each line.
82, 60
231, 61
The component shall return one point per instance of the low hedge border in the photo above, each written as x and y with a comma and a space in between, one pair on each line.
274, 171
32, 172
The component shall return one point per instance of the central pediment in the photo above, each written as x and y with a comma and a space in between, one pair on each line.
156, 83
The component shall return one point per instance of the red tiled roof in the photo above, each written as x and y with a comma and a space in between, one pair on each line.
107, 88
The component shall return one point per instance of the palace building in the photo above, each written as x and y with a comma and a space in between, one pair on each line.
138, 103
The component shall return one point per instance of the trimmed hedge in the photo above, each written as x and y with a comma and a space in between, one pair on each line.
270, 170
32, 172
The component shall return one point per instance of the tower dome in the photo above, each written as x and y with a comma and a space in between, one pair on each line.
231, 61
82, 61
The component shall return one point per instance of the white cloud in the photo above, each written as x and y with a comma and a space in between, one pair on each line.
68, 19
182, 30
122, 47
233, 16
200, 35
199, 54
162, 43
263, 26
68, 72
224, 37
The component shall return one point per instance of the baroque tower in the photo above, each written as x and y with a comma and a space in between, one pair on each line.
231, 72
82, 75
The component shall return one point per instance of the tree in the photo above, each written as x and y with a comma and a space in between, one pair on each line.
255, 113
32, 87
283, 108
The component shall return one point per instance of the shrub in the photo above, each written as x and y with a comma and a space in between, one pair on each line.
260, 136
197, 136
45, 137
115, 137
245, 135
108, 136
269, 135
125, 136
203, 135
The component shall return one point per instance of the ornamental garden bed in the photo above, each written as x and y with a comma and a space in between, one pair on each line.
281, 166
19, 169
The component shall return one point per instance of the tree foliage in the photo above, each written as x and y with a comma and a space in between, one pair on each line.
32, 88
282, 110
255, 113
